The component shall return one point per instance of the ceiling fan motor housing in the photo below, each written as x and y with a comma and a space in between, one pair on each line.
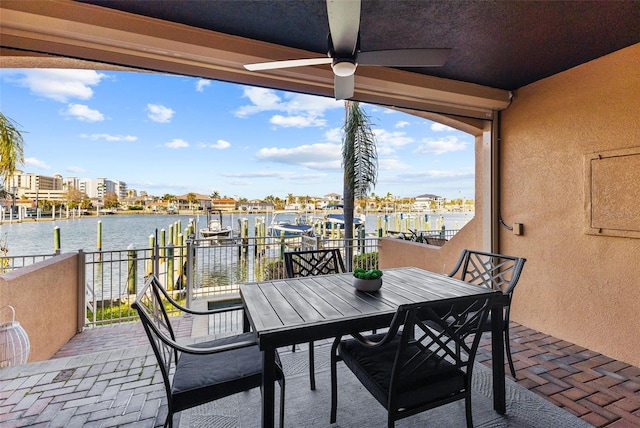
344, 67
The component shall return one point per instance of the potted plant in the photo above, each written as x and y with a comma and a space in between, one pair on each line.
367, 280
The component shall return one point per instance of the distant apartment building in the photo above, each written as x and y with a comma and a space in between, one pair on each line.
97, 188
27, 185
34, 186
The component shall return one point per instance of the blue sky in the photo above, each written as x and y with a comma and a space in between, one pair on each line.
174, 134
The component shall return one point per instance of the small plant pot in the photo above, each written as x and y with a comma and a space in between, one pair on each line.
367, 284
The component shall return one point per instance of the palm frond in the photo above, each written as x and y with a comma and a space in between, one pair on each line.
359, 153
11, 147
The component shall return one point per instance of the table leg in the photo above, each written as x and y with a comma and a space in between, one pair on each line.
268, 387
497, 352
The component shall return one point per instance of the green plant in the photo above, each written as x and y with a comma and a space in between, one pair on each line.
367, 274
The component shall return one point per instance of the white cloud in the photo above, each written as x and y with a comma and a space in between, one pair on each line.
334, 135
258, 174
177, 143
83, 113
297, 121
201, 84
439, 127
460, 175
244, 177
35, 163
441, 145
109, 137
220, 144
261, 100
58, 84
159, 113
388, 141
317, 156
301, 110
402, 124
391, 164
383, 150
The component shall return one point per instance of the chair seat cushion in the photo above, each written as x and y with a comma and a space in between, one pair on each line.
202, 378
430, 382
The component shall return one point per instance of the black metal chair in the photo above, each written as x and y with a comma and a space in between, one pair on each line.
205, 371
412, 368
494, 271
312, 263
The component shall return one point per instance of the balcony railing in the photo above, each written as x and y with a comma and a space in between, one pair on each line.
198, 270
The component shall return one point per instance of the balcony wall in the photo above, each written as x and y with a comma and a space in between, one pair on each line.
45, 298
576, 286
396, 252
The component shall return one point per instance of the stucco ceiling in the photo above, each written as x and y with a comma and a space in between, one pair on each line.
501, 44
496, 46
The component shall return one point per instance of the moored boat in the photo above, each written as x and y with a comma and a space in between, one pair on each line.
333, 219
215, 229
289, 224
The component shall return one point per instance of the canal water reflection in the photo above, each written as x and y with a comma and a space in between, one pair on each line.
121, 231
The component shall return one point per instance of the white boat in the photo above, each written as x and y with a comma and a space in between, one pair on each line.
333, 219
215, 229
289, 224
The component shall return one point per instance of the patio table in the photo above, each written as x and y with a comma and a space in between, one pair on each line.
283, 312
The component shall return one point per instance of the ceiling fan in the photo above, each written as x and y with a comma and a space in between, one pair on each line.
344, 53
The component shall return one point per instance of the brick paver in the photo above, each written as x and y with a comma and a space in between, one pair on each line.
116, 386
598, 389
119, 385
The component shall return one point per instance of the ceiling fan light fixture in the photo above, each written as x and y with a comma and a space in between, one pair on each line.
344, 67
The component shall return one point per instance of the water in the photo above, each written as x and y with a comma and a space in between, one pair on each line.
120, 231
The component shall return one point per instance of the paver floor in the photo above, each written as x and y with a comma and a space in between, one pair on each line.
598, 389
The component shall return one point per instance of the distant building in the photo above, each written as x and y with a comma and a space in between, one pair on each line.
330, 199
33, 186
54, 188
96, 188
256, 205
428, 201
223, 204
202, 202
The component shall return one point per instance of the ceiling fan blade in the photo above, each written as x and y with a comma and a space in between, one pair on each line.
287, 64
343, 87
405, 57
344, 25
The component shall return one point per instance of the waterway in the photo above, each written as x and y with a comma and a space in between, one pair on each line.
121, 231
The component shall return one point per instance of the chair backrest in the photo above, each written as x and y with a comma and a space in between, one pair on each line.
150, 305
313, 262
437, 349
490, 270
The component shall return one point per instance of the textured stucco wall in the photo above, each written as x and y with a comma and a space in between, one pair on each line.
578, 287
45, 298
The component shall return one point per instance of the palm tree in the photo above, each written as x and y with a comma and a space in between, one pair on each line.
11, 147
360, 164
191, 198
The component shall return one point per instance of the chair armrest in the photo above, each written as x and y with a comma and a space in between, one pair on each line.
396, 322
234, 299
191, 349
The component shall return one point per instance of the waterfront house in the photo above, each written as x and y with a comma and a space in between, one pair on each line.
552, 104
224, 204
200, 202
